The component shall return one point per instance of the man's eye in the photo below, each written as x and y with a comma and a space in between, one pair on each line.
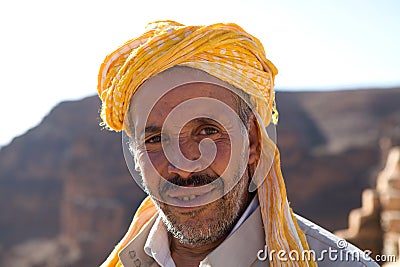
208, 131
153, 139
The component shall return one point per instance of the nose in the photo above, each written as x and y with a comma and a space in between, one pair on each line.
177, 171
186, 160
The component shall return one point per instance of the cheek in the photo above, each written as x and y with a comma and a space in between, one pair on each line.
150, 161
230, 164
151, 166
222, 158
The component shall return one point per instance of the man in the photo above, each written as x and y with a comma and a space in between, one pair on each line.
194, 103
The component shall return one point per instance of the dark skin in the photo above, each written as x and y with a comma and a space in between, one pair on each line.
188, 256
192, 218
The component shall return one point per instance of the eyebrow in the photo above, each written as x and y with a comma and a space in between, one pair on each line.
156, 129
203, 120
150, 130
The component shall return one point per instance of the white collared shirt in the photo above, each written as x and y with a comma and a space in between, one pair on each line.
157, 244
242, 248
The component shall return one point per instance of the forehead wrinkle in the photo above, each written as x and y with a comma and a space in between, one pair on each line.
156, 88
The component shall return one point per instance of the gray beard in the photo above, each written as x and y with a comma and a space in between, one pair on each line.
229, 208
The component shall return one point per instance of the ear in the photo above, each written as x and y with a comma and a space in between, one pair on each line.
254, 140
133, 152
137, 167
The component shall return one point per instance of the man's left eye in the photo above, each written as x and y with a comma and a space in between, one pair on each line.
208, 131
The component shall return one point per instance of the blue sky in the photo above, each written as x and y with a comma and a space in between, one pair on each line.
51, 50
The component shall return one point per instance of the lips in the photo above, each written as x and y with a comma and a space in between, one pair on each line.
191, 196
195, 190
185, 197
187, 191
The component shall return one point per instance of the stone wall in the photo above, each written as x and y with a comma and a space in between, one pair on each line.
376, 225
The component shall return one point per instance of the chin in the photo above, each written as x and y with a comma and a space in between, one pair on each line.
202, 225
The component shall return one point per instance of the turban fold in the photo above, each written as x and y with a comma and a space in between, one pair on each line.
231, 54
225, 51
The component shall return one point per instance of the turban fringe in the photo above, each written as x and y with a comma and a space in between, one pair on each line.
229, 53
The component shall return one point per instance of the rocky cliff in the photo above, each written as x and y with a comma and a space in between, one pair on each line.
66, 196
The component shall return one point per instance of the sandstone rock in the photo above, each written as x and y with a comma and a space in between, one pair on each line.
364, 224
67, 178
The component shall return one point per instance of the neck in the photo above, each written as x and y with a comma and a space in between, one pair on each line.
191, 256
186, 255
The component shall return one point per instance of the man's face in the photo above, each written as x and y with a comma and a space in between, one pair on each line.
191, 152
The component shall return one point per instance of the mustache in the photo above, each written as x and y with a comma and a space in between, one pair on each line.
194, 180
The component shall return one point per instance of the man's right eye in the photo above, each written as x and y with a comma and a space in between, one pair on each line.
153, 139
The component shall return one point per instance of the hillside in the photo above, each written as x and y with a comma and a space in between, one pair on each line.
64, 185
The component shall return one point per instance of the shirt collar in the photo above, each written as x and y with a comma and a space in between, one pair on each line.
157, 244
249, 210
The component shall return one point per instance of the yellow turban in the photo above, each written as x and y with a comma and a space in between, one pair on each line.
225, 51
229, 53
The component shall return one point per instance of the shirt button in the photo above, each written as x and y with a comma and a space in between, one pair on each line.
137, 263
132, 254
